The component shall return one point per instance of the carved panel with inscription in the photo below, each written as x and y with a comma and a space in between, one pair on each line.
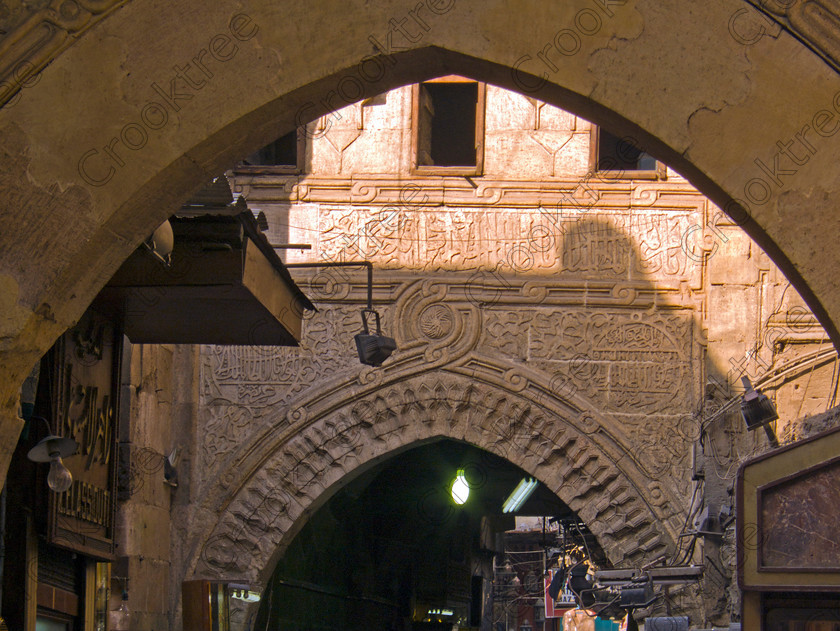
626, 362
240, 385
577, 241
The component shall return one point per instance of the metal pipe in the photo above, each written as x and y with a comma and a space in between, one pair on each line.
2, 542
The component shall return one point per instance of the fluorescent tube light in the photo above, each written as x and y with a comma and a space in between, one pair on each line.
521, 493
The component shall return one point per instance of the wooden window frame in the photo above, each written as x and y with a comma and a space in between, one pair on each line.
432, 169
659, 173
278, 169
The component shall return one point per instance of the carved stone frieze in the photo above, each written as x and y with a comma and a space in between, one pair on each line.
578, 242
418, 192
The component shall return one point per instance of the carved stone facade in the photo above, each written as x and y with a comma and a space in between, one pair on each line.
104, 138
590, 329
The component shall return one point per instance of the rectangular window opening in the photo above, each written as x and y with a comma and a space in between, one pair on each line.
623, 157
451, 112
283, 156
448, 124
281, 152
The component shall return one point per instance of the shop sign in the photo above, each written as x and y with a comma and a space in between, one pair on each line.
84, 386
565, 601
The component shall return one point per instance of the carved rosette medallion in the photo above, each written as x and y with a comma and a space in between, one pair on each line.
436, 321
431, 322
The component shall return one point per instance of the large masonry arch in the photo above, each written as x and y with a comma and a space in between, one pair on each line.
155, 98
248, 519
274, 447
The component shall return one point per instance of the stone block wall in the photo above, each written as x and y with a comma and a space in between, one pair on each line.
159, 393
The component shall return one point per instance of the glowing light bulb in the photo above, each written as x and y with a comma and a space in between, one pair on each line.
460, 488
59, 479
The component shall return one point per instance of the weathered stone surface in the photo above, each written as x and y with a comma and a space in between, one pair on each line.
562, 323
672, 74
276, 72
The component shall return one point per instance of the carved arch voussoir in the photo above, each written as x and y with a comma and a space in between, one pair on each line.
299, 474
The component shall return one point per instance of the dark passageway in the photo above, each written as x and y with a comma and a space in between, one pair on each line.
393, 550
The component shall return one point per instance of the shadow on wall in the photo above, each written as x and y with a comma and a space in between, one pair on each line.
610, 326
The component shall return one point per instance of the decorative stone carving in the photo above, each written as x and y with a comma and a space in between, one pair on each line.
632, 364
436, 321
297, 468
388, 192
34, 40
814, 21
624, 362
241, 384
569, 350
575, 241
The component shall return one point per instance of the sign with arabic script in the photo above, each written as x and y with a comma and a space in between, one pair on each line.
84, 386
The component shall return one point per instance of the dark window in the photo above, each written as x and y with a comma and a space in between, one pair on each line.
281, 152
447, 124
622, 154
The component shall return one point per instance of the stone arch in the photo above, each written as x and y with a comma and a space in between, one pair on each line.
69, 230
251, 519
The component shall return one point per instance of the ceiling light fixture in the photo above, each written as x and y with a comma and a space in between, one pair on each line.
460, 488
521, 493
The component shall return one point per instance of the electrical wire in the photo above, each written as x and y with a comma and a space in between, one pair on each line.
835, 382
583, 538
808, 383
689, 514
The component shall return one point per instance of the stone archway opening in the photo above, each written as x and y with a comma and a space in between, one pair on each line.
277, 73
89, 229
262, 497
392, 549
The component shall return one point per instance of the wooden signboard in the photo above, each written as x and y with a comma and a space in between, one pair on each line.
84, 386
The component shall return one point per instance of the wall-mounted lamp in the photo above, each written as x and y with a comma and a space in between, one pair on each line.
636, 596
52, 449
161, 243
373, 348
243, 592
170, 467
120, 618
758, 411
708, 522
123, 608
